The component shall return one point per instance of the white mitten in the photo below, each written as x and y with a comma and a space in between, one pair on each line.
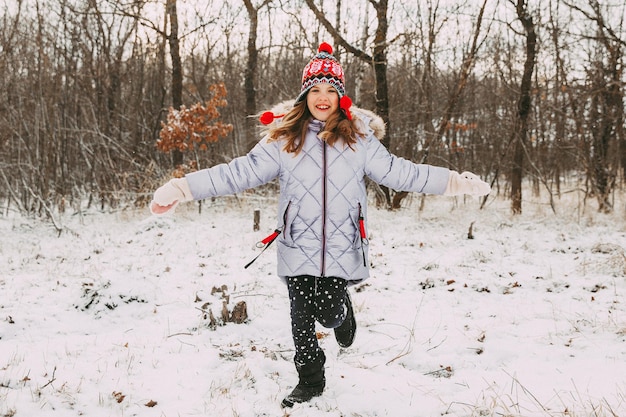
169, 195
466, 183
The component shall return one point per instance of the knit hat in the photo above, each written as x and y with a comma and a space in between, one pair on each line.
323, 68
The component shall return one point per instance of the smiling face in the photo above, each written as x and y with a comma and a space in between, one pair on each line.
322, 100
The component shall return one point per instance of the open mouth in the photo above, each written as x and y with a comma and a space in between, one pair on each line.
322, 107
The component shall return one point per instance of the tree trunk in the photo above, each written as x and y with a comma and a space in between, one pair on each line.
250, 74
177, 68
520, 130
380, 74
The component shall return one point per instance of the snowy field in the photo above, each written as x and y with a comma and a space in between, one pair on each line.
120, 315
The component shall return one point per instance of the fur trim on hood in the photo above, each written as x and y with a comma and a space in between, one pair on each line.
365, 118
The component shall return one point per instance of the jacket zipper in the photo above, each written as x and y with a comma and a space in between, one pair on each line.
323, 265
285, 214
362, 234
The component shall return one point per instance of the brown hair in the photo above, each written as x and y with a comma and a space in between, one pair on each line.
295, 123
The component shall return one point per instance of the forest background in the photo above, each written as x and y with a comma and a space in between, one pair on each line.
102, 101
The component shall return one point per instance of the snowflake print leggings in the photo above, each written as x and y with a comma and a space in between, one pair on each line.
314, 298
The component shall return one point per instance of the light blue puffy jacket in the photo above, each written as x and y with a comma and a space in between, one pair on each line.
322, 195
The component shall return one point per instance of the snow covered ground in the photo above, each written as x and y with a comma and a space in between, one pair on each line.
111, 317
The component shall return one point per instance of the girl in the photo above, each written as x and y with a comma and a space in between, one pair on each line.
321, 151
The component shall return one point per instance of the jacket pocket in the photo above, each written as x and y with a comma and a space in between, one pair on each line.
288, 212
358, 220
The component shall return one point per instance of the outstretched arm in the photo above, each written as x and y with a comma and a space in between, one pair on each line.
403, 175
259, 166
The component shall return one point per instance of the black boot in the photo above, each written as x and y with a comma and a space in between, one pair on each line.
347, 330
311, 382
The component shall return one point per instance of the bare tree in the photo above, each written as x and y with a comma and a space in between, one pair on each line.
171, 12
520, 130
606, 106
251, 67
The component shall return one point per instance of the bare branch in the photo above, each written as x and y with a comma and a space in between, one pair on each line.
336, 35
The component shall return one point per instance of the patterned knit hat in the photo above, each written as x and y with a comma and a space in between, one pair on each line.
323, 68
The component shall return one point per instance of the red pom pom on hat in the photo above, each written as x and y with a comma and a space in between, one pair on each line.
325, 47
345, 103
268, 117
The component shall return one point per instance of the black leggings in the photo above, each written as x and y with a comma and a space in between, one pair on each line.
314, 298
